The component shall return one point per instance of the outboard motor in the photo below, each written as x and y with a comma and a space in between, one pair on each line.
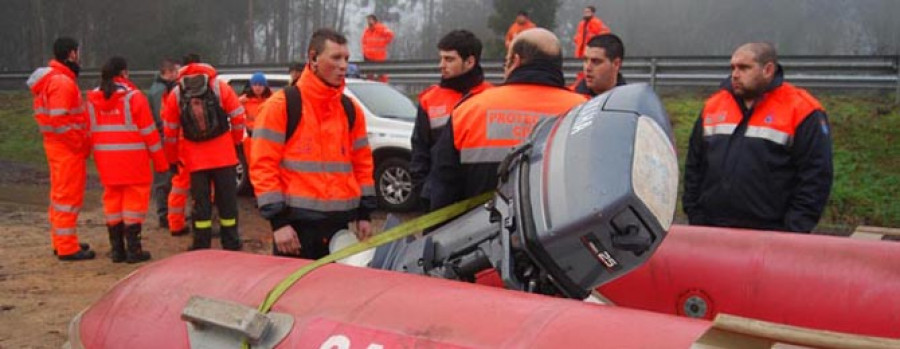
587, 198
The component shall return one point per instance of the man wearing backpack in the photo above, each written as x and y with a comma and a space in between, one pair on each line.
205, 114
311, 164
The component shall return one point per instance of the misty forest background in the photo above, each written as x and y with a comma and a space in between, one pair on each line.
277, 31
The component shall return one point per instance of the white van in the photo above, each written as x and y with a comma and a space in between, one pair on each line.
389, 120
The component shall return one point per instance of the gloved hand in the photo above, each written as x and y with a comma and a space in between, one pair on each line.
173, 168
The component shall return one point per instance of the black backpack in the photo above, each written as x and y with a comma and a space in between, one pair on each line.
295, 110
214, 121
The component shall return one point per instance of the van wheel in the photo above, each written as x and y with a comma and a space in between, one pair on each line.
242, 174
393, 185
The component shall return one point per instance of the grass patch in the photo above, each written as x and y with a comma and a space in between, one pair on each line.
20, 139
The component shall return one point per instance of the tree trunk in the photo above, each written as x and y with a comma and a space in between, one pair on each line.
251, 44
340, 23
41, 32
283, 28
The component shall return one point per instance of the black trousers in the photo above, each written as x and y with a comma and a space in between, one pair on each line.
223, 179
162, 185
314, 236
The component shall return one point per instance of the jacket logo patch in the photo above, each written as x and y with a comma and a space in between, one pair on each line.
769, 119
437, 111
511, 124
714, 117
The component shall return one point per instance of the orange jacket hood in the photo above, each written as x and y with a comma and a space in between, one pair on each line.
197, 68
41, 76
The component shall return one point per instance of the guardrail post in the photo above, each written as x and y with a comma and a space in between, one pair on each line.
897, 68
653, 73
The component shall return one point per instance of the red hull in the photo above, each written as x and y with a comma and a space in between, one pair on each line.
820, 282
359, 307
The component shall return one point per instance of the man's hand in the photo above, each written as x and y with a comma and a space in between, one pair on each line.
363, 230
286, 240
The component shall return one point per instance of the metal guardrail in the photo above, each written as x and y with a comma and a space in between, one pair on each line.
839, 72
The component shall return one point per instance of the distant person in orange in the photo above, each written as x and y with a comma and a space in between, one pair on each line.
62, 120
375, 41
124, 139
254, 94
589, 27
521, 24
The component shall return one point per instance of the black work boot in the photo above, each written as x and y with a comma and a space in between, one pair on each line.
78, 256
134, 253
202, 239
82, 245
230, 239
117, 242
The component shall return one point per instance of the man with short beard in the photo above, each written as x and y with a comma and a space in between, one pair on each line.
62, 119
588, 27
461, 77
760, 152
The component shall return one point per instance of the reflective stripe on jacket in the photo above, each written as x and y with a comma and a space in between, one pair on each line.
124, 137
214, 153
325, 169
58, 108
768, 167
375, 41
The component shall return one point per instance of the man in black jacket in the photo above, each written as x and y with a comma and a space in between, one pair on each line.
461, 78
760, 152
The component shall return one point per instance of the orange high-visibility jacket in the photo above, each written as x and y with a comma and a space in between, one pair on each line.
325, 168
517, 28
58, 108
124, 136
251, 108
587, 30
214, 153
375, 41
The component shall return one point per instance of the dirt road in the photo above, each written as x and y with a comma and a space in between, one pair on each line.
39, 295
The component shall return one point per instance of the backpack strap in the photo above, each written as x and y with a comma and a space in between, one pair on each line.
349, 110
295, 110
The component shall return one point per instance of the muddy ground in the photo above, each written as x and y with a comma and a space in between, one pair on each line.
39, 294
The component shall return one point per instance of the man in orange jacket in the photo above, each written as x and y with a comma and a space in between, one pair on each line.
210, 161
521, 24
312, 169
483, 129
375, 41
461, 77
61, 117
124, 139
589, 27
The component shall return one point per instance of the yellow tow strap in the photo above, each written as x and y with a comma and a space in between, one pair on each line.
401, 231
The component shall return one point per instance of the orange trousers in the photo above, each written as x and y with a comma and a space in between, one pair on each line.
67, 180
181, 188
126, 203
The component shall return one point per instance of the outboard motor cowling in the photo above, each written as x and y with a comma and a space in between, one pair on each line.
587, 198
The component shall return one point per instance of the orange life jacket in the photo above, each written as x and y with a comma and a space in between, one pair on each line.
124, 136
325, 167
375, 41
